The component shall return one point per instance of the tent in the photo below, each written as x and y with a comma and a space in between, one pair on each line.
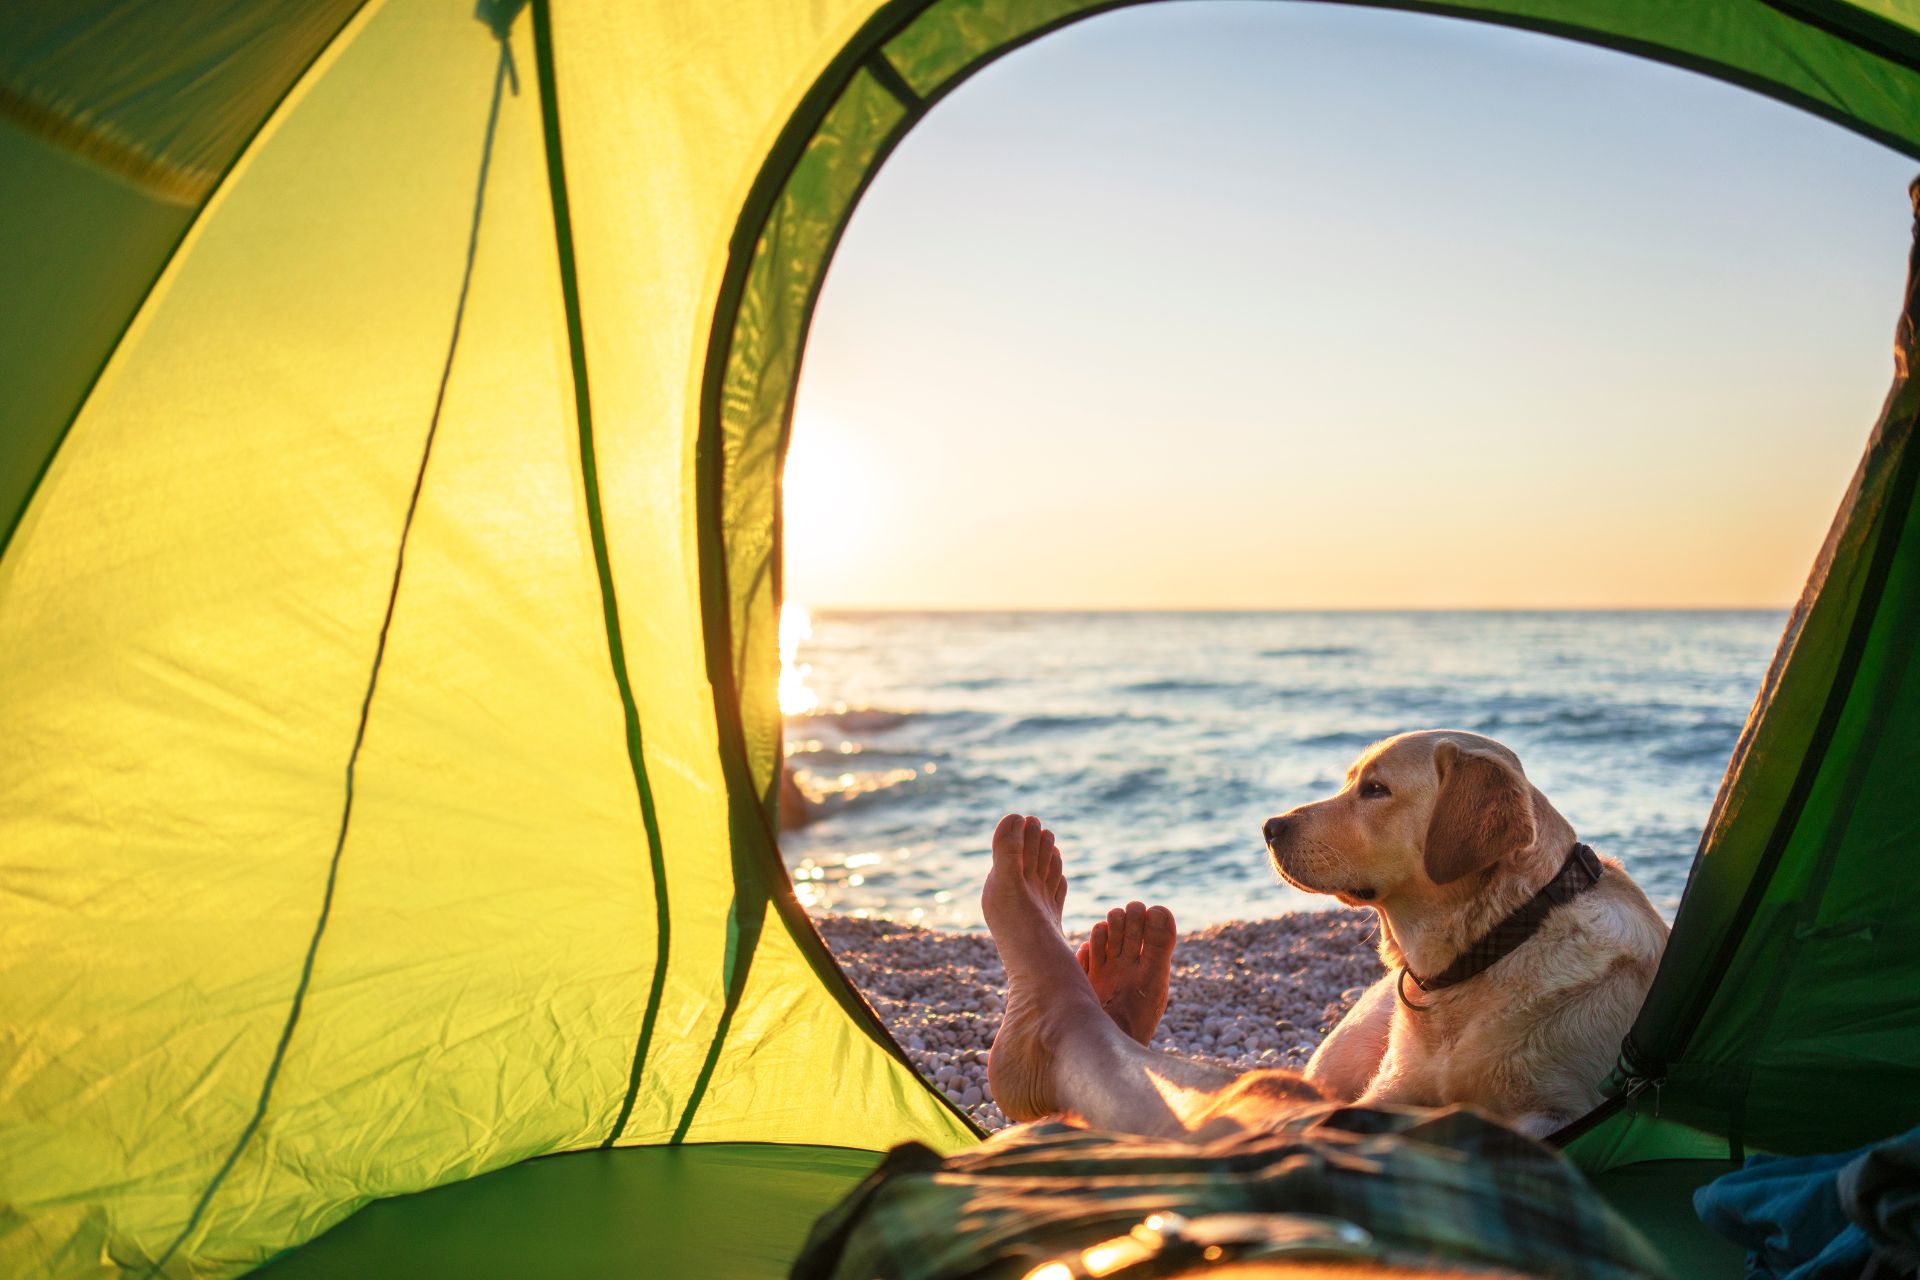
395, 393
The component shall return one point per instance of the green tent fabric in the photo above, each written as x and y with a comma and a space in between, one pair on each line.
395, 393
1780, 1018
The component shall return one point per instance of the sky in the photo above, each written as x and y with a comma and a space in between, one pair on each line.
1234, 304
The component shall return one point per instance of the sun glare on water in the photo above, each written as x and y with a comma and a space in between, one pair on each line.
826, 492
796, 699
832, 502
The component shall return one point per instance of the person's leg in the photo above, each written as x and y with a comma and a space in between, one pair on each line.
1349, 1058
1058, 1051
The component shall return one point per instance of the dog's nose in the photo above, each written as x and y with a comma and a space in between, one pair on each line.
1274, 829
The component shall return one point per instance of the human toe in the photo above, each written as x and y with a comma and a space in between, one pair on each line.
1159, 936
1033, 848
1008, 839
1136, 929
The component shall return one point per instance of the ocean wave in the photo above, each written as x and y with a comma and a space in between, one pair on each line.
1062, 722
880, 719
1148, 863
974, 684
1573, 730
865, 720
1314, 651
1704, 744
1176, 685
1614, 723
1353, 740
1130, 785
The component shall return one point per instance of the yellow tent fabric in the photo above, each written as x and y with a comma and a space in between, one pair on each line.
388, 486
193, 609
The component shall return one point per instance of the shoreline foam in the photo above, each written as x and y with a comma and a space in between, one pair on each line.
1252, 993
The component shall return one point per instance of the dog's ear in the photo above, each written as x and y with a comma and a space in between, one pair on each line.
1484, 812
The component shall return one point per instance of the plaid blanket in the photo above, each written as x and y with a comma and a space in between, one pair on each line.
1401, 1186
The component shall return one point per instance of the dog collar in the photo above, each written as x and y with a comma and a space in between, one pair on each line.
1579, 873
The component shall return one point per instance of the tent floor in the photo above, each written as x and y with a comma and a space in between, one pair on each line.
742, 1210
723, 1211
1657, 1197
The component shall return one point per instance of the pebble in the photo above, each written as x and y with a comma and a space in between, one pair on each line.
1245, 994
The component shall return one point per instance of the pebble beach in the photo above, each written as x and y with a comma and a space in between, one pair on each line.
1256, 993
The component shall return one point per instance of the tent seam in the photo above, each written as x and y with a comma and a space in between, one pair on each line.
881, 68
308, 964
602, 559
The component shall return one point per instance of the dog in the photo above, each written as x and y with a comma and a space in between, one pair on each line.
1441, 833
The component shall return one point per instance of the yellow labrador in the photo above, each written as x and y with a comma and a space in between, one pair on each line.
1517, 959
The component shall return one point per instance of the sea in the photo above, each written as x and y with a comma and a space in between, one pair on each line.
1155, 744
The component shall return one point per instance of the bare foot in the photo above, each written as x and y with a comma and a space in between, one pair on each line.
1021, 903
1128, 959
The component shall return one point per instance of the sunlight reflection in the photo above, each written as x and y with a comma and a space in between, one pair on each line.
831, 499
796, 626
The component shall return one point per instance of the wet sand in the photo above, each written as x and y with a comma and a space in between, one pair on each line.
1257, 993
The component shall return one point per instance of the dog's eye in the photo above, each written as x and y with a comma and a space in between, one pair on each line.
1374, 791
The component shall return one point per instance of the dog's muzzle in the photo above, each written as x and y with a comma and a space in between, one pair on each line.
1275, 830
